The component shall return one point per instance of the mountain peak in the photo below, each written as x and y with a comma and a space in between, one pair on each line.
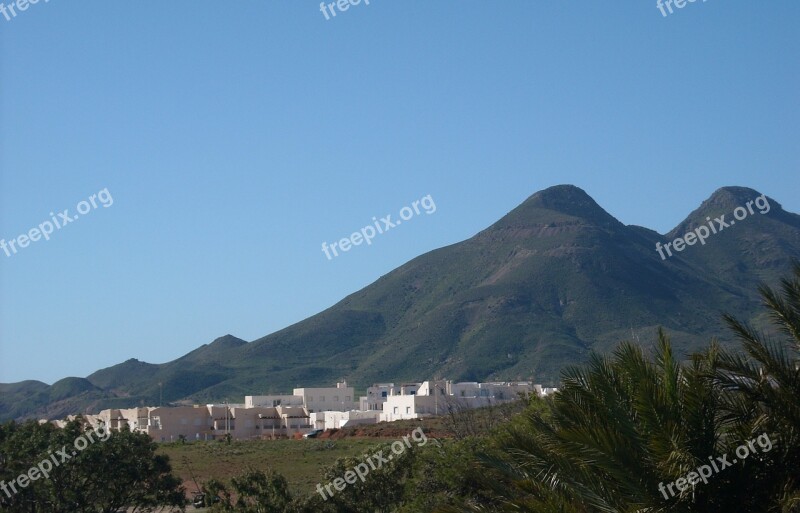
227, 341
567, 200
731, 197
559, 194
724, 201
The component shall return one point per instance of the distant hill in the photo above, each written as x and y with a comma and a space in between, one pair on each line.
554, 279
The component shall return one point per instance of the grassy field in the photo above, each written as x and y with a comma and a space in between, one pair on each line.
302, 462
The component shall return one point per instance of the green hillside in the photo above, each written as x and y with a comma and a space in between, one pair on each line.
551, 281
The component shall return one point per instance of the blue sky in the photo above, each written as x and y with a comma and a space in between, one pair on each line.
236, 137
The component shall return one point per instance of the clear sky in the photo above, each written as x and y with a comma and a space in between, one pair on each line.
236, 137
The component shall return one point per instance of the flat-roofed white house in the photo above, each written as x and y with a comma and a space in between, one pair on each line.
163, 424
439, 397
376, 396
341, 419
209, 422
340, 398
497, 390
253, 401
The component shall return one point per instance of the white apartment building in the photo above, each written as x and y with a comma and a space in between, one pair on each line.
376, 396
254, 401
338, 398
378, 393
440, 397
499, 391
341, 419
341, 398
210, 422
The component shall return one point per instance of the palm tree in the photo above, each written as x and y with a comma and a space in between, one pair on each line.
625, 427
762, 388
619, 431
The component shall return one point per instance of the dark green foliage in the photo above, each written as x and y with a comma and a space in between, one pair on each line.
623, 425
446, 474
256, 491
381, 491
111, 473
763, 389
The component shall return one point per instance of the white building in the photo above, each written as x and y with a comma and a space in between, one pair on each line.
341, 419
500, 391
441, 397
341, 398
273, 416
376, 396
338, 398
209, 422
253, 401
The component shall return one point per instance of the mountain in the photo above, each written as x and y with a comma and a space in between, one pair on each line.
553, 280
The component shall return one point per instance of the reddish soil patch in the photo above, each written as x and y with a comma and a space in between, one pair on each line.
380, 432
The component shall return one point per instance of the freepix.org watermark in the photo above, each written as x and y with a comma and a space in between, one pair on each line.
666, 5
63, 455
342, 5
717, 465
373, 462
10, 11
702, 232
369, 232
46, 228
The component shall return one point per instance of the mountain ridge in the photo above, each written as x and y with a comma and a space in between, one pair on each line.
552, 280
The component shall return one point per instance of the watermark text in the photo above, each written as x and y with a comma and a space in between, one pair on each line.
46, 228
702, 232
367, 233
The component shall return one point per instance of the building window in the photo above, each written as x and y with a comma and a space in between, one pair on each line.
347, 398
408, 409
383, 394
336, 398
395, 409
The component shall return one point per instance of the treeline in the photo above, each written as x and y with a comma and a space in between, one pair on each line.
77, 469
